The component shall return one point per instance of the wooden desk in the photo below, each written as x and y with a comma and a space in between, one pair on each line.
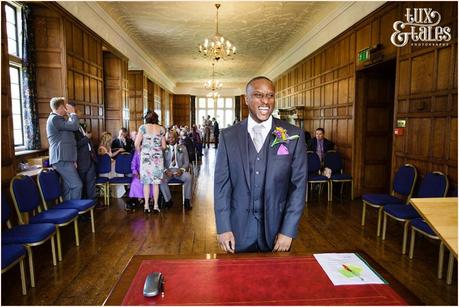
441, 215
131, 281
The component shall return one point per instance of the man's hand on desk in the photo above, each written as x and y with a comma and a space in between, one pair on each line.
282, 243
226, 241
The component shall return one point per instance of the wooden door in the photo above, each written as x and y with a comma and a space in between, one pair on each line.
375, 91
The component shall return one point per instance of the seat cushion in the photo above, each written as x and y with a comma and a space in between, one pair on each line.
77, 204
24, 234
101, 180
10, 253
54, 216
175, 180
406, 212
381, 199
314, 177
340, 177
119, 180
420, 224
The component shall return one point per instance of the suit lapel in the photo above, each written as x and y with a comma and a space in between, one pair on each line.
243, 145
271, 150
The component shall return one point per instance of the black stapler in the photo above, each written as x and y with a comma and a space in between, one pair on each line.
154, 284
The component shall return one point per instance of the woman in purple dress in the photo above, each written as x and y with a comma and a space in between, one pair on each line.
136, 190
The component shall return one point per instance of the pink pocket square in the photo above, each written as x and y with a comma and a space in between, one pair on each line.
282, 151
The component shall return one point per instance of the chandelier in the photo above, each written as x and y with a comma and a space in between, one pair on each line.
217, 47
213, 85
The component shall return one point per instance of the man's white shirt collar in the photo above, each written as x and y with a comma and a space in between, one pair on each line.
267, 124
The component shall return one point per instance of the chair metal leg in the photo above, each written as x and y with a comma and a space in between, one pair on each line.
59, 249
413, 237
53, 251
352, 190
31, 269
92, 221
77, 237
378, 230
384, 227
405, 236
341, 192
449, 274
363, 213
441, 256
307, 191
23, 277
330, 186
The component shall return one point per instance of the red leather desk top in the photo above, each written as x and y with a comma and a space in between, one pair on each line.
292, 280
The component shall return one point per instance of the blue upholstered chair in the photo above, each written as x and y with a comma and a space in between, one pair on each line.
122, 167
50, 191
26, 199
28, 235
434, 184
313, 172
13, 254
333, 161
404, 181
103, 166
420, 226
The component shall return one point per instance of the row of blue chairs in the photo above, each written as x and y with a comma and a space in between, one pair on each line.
434, 184
41, 212
333, 161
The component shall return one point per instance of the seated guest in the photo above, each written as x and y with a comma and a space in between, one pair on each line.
136, 189
320, 144
105, 146
188, 142
197, 140
123, 141
176, 164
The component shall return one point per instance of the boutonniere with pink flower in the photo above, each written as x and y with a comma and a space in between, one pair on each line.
281, 137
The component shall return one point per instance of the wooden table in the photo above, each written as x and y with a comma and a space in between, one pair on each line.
118, 292
441, 215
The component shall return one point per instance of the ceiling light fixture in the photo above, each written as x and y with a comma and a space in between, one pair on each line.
213, 84
217, 47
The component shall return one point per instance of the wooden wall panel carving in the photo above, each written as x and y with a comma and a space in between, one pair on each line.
85, 76
426, 92
138, 98
51, 73
115, 93
182, 110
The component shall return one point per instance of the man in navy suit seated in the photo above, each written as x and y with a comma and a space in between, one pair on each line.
320, 144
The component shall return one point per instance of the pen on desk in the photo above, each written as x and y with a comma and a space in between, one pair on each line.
352, 272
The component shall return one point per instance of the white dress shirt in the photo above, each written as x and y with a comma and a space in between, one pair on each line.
267, 124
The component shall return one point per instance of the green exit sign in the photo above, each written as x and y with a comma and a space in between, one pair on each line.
364, 55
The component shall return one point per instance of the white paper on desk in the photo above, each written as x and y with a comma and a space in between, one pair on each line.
362, 273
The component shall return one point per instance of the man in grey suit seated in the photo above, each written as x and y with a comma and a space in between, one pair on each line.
63, 147
176, 164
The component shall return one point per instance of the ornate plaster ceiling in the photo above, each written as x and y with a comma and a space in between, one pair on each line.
171, 31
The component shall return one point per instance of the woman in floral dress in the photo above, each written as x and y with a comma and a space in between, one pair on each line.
151, 136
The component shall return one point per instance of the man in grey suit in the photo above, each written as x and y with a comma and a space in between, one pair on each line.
176, 164
63, 147
260, 178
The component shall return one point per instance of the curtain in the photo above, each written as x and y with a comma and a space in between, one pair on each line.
29, 101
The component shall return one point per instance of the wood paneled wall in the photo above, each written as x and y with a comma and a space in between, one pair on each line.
426, 91
157, 99
182, 110
8, 157
85, 75
426, 97
244, 113
116, 93
138, 98
51, 72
